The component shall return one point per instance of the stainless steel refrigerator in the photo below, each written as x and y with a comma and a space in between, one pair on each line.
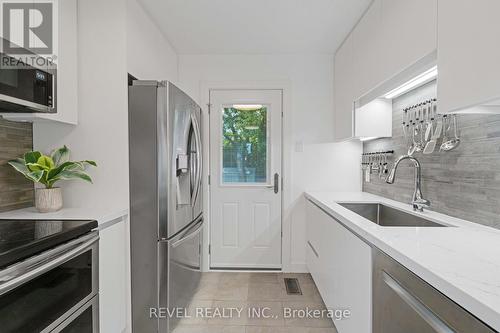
166, 216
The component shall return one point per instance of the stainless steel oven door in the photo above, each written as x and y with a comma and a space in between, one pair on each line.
40, 293
83, 320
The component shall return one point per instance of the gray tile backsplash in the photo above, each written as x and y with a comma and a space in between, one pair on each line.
15, 139
465, 182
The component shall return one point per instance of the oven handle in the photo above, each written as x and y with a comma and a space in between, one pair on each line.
17, 280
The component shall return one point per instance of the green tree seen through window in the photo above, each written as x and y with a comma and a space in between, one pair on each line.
244, 145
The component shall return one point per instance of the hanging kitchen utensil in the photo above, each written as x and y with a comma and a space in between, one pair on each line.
454, 142
417, 131
446, 129
404, 123
380, 164
421, 143
411, 135
431, 145
430, 121
412, 147
385, 167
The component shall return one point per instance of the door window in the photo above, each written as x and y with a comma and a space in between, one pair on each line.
245, 144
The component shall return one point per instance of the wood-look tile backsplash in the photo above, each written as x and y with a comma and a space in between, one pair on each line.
464, 183
15, 139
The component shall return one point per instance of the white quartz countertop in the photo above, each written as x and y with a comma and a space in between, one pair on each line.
104, 217
462, 261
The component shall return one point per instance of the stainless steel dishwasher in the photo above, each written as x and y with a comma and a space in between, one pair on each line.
404, 303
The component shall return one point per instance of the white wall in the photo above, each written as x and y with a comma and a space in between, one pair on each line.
149, 54
308, 120
101, 133
311, 77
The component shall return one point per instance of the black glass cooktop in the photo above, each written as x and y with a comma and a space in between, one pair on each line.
20, 239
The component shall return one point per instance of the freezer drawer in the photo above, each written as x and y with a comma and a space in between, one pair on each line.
402, 302
180, 271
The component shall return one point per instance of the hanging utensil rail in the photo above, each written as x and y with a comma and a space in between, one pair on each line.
376, 162
423, 127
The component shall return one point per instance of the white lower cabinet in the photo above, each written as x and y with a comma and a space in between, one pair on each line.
113, 278
341, 266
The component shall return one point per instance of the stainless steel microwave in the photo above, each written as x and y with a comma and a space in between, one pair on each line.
25, 88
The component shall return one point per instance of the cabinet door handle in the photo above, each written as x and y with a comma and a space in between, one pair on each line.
313, 249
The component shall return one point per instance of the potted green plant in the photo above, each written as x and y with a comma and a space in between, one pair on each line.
48, 170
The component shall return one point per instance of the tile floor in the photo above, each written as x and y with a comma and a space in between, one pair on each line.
253, 291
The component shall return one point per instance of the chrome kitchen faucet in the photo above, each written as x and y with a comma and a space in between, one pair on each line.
418, 200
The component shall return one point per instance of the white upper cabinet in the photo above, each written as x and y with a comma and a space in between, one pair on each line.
468, 54
367, 51
393, 41
408, 33
374, 120
344, 95
67, 70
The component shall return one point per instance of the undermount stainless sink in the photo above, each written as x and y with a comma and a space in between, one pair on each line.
388, 217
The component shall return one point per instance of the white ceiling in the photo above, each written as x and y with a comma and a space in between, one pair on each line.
255, 26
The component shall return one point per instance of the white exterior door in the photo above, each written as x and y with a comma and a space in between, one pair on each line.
245, 178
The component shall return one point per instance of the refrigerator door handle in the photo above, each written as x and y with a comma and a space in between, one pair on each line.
197, 137
192, 232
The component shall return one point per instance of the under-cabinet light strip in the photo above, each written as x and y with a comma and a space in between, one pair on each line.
417, 81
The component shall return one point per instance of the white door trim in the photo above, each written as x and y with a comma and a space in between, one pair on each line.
252, 237
285, 87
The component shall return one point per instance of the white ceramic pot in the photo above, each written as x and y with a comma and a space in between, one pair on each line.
48, 199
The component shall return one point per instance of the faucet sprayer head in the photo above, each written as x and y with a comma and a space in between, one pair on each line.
391, 177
